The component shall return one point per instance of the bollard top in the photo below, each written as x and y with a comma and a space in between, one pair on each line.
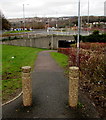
74, 72
26, 69
74, 68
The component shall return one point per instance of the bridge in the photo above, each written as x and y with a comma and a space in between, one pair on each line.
40, 40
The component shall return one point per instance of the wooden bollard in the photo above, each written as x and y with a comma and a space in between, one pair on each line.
73, 86
26, 86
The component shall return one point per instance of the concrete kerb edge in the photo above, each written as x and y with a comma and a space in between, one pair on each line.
12, 99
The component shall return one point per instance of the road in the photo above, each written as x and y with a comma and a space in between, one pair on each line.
58, 32
44, 31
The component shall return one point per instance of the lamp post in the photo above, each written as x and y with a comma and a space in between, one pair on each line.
57, 23
88, 17
78, 36
56, 20
48, 26
24, 14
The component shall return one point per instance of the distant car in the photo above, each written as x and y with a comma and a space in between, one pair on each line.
25, 28
30, 29
51, 28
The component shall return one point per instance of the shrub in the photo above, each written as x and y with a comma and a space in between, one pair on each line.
93, 70
96, 32
92, 61
94, 37
75, 37
100, 47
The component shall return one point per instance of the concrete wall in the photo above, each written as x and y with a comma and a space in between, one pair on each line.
39, 42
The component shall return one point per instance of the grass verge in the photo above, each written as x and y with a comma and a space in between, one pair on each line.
61, 59
16, 31
13, 58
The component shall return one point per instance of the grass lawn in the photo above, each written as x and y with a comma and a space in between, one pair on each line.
16, 31
13, 58
61, 59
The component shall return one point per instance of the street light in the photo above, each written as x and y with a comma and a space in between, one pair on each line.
57, 23
48, 26
56, 20
88, 17
24, 14
78, 36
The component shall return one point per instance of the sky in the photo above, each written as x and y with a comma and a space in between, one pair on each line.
50, 8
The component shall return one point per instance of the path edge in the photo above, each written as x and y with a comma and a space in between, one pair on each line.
13, 99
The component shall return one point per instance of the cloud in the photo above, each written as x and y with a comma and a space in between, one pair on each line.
14, 8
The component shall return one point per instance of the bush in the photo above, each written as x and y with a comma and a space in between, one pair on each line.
94, 37
101, 47
10, 38
95, 32
92, 61
93, 70
75, 37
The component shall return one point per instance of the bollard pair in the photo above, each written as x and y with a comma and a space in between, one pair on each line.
73, 86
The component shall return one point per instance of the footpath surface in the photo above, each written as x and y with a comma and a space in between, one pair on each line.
50, 93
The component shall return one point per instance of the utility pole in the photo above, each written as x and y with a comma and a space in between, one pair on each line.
78, 36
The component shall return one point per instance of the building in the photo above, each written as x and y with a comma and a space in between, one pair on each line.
105, 8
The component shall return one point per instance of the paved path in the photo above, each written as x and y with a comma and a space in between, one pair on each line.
50, 93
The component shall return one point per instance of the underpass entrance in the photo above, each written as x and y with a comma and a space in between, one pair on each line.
65, 43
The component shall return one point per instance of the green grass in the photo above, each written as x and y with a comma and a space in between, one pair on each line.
61, 59
16, 31
13, 58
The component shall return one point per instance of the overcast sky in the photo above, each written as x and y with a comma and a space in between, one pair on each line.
50, 8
